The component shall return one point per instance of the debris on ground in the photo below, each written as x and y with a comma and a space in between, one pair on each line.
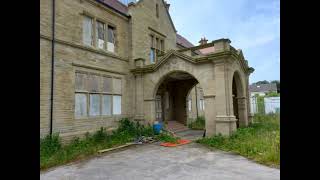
114, 148
180, 142
144, 140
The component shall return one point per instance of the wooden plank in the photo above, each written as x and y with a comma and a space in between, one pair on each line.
114, 148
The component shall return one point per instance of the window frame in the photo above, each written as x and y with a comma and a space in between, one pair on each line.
157, 46
94, 39
85, 15
101, 93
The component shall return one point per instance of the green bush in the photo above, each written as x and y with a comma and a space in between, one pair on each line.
50, 144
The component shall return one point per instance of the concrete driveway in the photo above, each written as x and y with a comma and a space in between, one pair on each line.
188, 162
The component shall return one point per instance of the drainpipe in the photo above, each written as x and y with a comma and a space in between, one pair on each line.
52, 63
197, 101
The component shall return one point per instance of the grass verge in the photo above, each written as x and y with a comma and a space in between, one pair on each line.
52, 153
259, 142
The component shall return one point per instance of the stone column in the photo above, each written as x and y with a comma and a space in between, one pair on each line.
138, 99
149, 111
210, 115
225, 120
248, 101
243, 113
139, 114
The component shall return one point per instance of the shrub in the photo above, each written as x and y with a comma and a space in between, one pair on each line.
52, 153
50, 144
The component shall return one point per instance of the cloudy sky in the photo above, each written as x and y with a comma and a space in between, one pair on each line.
251, 25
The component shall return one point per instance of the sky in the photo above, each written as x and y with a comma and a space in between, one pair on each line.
251, 25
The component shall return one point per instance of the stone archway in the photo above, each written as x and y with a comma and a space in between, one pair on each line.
239, 99
171, 94
215, 72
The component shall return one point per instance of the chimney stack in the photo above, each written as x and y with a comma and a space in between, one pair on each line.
167, 5
203, 41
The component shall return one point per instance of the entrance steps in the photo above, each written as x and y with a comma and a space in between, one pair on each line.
183, 131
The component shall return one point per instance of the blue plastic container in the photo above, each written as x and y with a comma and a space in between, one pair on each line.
157, 128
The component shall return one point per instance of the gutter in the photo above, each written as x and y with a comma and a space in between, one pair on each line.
52, 63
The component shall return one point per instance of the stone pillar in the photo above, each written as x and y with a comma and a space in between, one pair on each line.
221, 45
139, 113
225, 120
210, 115
149, 111
243, 113
248, 100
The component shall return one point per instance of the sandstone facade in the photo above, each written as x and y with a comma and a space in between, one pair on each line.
129, 65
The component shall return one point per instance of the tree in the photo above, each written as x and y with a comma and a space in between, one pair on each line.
262, 82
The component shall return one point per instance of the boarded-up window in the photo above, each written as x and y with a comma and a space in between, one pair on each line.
116, 105
87, 30
80, 105
93, 83
80, 81
117, 86
94, 105
100, 36
106, 105
107, 84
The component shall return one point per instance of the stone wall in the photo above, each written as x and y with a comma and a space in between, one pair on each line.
72, 55
143, 18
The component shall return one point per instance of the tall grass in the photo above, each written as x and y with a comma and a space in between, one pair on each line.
260, 141
198, 124
52, 152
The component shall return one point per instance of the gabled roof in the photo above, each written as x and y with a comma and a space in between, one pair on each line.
183, 41
116, 6
263, 87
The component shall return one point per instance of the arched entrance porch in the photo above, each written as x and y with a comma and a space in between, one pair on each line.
171, 97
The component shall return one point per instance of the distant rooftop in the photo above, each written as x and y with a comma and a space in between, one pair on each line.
263, 87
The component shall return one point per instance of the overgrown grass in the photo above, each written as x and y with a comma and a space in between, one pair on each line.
52, 153
198, 124
166, 137
260, 141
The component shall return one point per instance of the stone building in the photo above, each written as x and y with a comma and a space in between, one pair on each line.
101, 60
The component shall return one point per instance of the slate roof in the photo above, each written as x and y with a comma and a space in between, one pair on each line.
115, 5
123, 9
263, 87
183, 41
